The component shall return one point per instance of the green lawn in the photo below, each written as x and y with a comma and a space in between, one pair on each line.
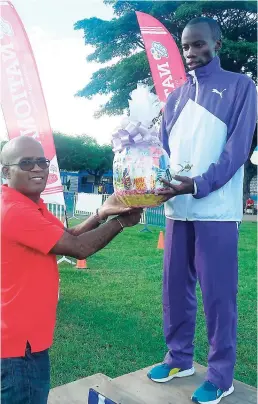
110, 316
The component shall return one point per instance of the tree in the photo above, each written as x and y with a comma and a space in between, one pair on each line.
83, 153
120, 42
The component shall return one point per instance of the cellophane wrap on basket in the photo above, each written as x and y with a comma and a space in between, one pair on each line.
140, 161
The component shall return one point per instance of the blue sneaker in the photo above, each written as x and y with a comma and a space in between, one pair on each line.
208, 393
163, 373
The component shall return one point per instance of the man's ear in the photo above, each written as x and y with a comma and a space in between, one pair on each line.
6, 172
218, 45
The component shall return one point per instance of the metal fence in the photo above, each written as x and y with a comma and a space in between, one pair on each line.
156, 216
57, 210
70, 201
150, 216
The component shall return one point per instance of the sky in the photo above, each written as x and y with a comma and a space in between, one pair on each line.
60, 55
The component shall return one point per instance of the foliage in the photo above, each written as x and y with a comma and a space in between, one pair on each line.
76, 153
120, 42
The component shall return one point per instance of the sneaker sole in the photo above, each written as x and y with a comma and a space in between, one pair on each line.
225, 394
184, 373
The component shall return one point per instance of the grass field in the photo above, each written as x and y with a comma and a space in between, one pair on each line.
110, 315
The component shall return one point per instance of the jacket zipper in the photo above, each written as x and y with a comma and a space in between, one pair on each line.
195, 81
196, 86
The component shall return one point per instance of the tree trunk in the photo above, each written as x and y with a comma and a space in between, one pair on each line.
97, 179
98, 174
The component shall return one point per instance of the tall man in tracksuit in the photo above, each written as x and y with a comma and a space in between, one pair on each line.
208, 124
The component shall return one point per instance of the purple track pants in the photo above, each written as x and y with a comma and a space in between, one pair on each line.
207, 251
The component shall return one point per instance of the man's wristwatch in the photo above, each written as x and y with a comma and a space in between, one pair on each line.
100, 221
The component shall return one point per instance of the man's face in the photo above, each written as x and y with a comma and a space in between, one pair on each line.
29, 183
199, 47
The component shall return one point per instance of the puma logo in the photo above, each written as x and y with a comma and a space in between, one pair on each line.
176, 104
218, 92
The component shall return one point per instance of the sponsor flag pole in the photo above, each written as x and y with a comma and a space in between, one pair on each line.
165, 61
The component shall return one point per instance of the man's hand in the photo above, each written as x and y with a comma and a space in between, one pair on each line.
111, 207
186, 187
131, 218
84, 245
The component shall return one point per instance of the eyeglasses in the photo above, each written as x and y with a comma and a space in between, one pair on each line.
29, 164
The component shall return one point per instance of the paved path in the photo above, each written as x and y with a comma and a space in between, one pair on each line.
250, 218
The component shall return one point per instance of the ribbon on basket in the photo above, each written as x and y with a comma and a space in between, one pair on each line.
134, 134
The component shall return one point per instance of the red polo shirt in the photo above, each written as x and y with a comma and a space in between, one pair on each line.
29, 274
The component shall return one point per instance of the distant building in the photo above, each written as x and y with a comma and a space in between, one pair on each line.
253, 189
69, 180
107, 180
82, 181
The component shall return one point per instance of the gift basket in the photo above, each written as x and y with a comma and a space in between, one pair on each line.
140, 161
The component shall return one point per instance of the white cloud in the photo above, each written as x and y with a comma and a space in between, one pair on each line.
63, 70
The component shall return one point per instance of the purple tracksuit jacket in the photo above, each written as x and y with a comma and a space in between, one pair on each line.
209, 124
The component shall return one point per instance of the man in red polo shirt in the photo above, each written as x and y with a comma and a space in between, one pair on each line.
31, 238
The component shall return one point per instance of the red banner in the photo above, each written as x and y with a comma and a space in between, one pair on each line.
165, 61
22, 98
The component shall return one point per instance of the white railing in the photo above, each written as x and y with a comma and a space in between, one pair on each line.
143, 217
105, 197
57, 210
84, 205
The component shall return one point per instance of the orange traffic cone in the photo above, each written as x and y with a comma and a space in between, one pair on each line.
81, 264
161, 241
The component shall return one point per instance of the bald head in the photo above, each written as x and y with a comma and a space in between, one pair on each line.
20, 147
24, 166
